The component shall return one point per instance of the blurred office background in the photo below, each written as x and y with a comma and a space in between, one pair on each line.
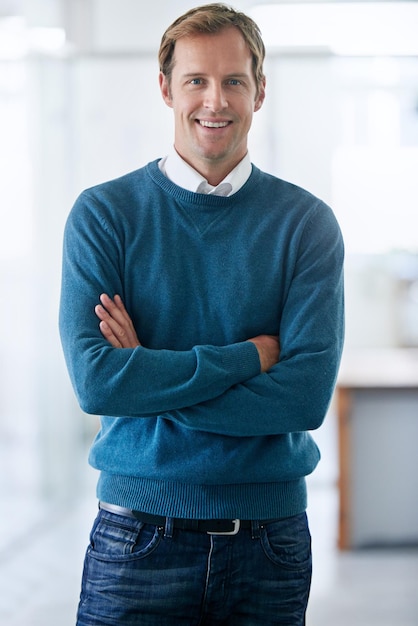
79, 104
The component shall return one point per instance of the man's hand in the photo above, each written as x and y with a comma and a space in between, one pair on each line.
115, 324
268, 347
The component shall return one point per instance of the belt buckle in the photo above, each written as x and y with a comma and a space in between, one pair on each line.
234, 531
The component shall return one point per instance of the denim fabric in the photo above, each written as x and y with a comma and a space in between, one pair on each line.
138, 574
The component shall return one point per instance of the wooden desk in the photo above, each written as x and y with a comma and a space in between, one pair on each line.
377, 405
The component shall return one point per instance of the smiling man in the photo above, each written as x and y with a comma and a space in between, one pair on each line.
202, 317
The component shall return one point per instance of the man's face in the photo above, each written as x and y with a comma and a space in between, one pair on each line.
213, 95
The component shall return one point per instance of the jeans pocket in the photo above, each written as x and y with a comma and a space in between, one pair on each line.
287, 543
119, 538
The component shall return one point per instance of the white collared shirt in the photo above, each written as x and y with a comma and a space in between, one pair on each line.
183, 175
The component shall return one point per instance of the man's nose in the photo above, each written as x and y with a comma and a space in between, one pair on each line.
215, 98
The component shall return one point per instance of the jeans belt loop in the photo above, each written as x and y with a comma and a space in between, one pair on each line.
168, 528
255, 529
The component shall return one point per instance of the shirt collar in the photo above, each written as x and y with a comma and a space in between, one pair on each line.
183, 175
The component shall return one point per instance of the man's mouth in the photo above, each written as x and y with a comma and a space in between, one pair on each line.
208, 124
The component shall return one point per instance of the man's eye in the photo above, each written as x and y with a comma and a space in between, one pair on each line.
234, 81
196, 81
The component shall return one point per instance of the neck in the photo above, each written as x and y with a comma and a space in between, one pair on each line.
214, 172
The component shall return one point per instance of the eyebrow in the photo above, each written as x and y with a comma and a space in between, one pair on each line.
203, 74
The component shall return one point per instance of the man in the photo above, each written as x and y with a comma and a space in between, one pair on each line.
218, 343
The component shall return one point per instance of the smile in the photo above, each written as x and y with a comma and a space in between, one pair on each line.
213, 124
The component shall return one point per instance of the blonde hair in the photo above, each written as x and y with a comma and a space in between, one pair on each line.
210, 19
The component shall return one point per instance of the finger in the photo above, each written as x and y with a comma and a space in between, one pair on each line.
105, 316
119, 315
101, 312
116, 302
115, 308
118, 322
119, 303
111, 324
108, 326
109, 335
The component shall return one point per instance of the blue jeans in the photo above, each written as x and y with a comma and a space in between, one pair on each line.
139, 574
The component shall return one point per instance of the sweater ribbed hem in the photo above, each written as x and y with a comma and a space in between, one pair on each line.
244, 501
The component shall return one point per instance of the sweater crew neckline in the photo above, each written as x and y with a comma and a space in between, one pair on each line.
192, 197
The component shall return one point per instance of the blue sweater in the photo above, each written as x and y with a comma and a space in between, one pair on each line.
189, 426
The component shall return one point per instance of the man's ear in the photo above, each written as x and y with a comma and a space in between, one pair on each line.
261, 95
165, 89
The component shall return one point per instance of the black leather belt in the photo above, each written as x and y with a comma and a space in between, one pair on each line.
209, 526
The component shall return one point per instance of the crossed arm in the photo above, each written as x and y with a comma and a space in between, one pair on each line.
116, 326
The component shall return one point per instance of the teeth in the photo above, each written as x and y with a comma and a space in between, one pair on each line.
214, 124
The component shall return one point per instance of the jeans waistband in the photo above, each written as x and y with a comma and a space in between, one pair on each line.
209, 526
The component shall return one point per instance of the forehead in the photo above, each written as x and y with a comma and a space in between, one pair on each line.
226, 50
